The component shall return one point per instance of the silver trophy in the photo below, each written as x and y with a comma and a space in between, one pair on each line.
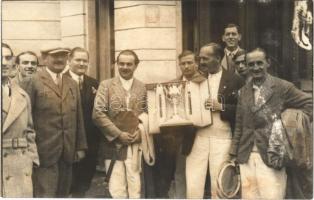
173, 93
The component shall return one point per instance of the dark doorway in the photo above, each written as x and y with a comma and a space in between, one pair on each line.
263, 23
105, 39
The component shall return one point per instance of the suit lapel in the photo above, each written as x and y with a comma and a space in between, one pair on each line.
119, 91
48, 81
18, 104
135, 94
224, 62
66, 86
86, 91
223, 82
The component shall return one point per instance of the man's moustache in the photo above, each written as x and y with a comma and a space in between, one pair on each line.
58, 63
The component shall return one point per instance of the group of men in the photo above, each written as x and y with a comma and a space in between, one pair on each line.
54, 104
57, 119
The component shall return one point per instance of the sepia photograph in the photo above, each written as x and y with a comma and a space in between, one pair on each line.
157, 99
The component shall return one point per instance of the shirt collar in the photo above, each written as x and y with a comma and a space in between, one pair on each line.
75, 76
216, 74
231, 52
265, 83
7, 87
127, 84
53, 74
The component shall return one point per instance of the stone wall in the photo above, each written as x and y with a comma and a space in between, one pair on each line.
27, 25
153, 30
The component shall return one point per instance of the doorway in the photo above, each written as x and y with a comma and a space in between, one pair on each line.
263, 23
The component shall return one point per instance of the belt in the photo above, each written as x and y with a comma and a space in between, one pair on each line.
14, 143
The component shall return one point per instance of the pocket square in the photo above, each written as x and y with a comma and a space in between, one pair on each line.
94, 90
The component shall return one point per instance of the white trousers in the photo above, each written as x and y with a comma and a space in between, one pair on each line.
206, 151
260, 181
125, 181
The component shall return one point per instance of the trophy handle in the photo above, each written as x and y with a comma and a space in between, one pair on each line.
160, 103
160, 106
190, 102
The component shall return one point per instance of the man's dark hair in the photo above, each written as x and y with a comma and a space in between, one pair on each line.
17, 61
239, 53
129, 52
8, 47
186, 53
258, 49
77, 49
218, 51
233, 26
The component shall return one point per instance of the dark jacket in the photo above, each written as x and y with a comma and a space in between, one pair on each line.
88, 93
58, 119
254, 123
229, 87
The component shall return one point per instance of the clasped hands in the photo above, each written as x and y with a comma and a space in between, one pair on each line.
129, 138
213, 104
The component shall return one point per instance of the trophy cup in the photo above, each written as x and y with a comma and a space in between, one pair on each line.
173, 93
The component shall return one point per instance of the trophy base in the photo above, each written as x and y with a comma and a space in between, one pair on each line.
176, 121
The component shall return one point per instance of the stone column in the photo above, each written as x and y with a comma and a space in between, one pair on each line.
153, 30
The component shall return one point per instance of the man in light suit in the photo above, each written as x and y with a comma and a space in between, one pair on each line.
58, 122
260, 105
84, 170
231, 37
211, 144
19, 151
117, 98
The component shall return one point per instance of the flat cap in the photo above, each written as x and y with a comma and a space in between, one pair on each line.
54, 47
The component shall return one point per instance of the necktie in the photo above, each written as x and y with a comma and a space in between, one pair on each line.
230, 61
58, 81
80, 83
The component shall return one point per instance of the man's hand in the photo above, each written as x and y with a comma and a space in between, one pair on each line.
136, 136
125, 138
213, 104
79, 155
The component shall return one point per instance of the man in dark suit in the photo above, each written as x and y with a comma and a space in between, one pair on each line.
259, 109
211, 144
231, 37
58, 122
119, 105
84, 170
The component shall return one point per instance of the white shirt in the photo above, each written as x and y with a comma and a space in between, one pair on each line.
6, 89
76, 77
213, 82
53, 75
258, 97
126, 84
219, 128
